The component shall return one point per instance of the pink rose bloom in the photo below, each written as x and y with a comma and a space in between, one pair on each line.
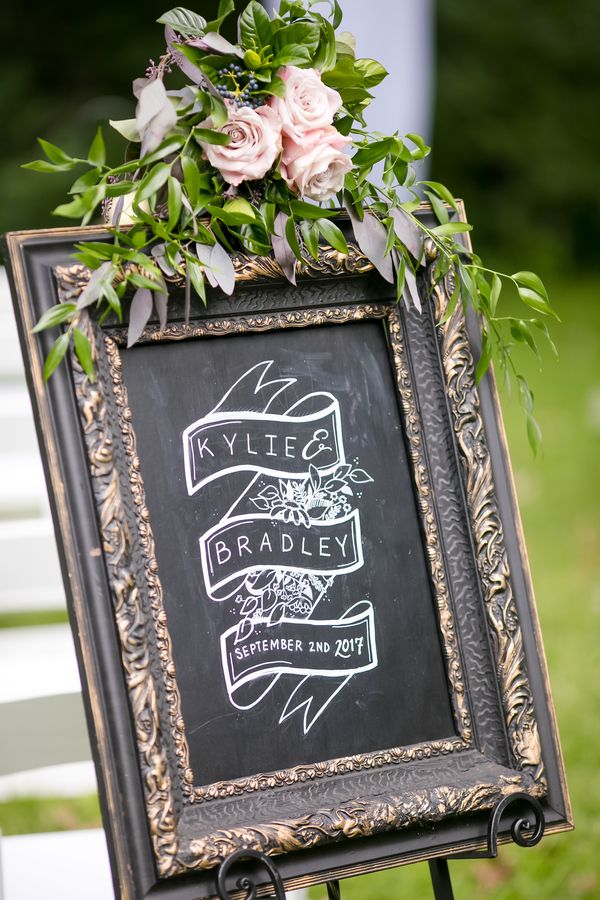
308, 103
255, 144
316, 167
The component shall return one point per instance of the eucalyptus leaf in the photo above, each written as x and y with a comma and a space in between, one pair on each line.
281, 248
408, 232
371, 237
139, 314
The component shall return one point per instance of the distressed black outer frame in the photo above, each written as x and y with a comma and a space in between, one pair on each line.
335, 818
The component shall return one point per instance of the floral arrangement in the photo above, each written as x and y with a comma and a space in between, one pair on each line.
259, 152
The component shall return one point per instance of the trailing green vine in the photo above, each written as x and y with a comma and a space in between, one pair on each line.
259, 152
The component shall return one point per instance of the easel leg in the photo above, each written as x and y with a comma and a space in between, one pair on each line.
440, 879
333, 890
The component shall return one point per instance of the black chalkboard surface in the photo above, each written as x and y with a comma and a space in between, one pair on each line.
288, 546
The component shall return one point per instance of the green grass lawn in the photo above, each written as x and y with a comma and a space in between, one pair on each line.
560, 503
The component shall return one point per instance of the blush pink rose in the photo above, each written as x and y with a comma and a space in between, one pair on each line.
255, 144
308, 103
316, 167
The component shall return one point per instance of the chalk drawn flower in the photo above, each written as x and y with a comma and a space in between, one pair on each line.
285, 502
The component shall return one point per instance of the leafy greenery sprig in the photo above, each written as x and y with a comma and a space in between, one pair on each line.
174, 213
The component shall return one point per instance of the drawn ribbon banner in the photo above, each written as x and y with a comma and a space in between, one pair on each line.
310, 433
328, 647
243, 544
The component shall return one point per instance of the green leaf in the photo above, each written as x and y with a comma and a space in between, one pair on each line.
73, 210
372, 72
234, 212
495, 293
255, 26
191, 179
174, 189
310, 234
152, 182
139, 280
541, 326
292, 238
451, 228
306, 34
534, 434
442, 192
532, 281
85, 181
210, 136
303, 210
84, 352
440, 211
422, 150
485, 357
293, 55
97, 152
218, 111
120, 188
42, 165
344, 74
521, 332
226, 7
62, 312
184, 21
127, 128
55, 154
376, 151
56, 355
332, 235
196, 277
171, 145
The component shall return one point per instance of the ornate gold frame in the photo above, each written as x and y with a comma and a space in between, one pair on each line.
491, 558
169, 790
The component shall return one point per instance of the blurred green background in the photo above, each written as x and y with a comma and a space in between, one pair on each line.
517, 133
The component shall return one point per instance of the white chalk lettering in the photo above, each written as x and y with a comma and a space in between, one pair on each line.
231, 442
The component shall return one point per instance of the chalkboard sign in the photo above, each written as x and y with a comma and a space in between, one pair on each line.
295, 574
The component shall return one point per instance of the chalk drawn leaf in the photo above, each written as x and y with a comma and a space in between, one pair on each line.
258, 581
260, 503
343, 471
269, 493
334, 485
359, 476
277, 614
245, 629
347, 490
249, 606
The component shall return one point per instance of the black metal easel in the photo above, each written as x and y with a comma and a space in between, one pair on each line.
526, 831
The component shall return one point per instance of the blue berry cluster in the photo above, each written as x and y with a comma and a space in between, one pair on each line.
231, 87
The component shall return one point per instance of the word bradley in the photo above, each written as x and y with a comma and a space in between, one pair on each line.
245, 543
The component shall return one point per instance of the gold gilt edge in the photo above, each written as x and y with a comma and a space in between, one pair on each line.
488, 533
343, 765
72, 278
129, 613
357, 818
